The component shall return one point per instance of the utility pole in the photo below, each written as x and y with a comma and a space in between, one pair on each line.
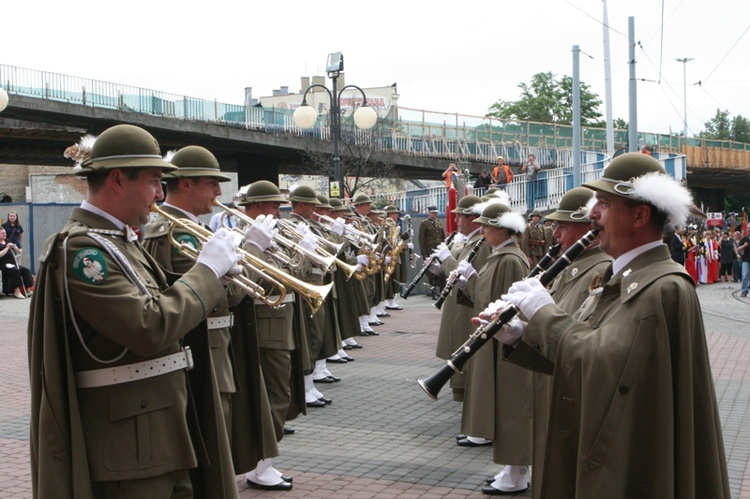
684, 62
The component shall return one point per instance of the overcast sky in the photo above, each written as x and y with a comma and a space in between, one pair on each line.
445, 56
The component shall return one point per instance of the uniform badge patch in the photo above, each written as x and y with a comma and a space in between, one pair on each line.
185, 239
90, 266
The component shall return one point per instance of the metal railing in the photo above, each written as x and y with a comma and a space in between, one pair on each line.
422, 133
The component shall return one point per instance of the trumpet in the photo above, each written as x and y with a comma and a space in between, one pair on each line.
289, 227
354, 236
277, 278
484, 333
323, 261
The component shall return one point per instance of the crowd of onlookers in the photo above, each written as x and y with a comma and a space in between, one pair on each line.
16, 279
712, 254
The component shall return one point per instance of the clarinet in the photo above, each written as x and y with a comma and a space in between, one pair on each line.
454, 275
485, 332
546, 260
428, 261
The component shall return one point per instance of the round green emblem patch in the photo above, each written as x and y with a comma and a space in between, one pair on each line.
185, 239
90, 265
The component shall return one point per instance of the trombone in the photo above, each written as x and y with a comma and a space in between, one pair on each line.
323, 261
277, 278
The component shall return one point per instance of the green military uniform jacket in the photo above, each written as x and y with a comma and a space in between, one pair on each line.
89, 434
431, 233
633, 410
498, 403
455, 321
534, 242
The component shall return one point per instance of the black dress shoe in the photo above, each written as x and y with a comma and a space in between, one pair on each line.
394, 308
317, 403
323, 380
333, 379
348, 359
287, 478
373, 333
378, 323
364, 333
347, 347
492, 491
282, 485
325, 400
340, 360
460, 436
465, 442
384, 315
357, 346
288, 431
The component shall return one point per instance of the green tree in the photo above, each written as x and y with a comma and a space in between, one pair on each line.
741, 129
547, 99
719, 127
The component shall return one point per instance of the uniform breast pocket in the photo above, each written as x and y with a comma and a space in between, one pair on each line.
272, 326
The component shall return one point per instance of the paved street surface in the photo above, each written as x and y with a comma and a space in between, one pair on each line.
383, 437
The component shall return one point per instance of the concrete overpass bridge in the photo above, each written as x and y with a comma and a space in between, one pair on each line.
49, 111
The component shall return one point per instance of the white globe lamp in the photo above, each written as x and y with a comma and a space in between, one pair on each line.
365, 117
305, 116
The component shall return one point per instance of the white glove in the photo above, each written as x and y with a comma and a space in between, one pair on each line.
511, 332
388, 260
363, 260
529, 296
309, 242
261, 233
339, 226
303, 228
411, 246
466, 269
442, 252
358, 269
220, 252
434, 267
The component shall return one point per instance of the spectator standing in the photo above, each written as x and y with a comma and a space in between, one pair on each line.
17, 280
531, 168
483, 181
14, 229
501, 174
450, 175
737, 264
745, 255
726, 257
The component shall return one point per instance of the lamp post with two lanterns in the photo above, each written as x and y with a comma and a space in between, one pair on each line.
364, 118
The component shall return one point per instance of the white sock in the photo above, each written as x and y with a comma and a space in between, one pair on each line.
341, 353
512, 478
264, 473
309, 388
350, 341
391, 303
478, 440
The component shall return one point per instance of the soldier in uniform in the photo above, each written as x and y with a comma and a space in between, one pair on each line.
400, 273
278, 339
431, 234
362, 206
112, 414
191, 190
534, 240
455, 321
499, 397
633, 409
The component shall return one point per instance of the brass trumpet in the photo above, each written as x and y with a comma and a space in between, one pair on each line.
277, 278
289, 227
320, 260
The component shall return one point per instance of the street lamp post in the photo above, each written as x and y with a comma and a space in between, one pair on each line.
364, 117
684, 62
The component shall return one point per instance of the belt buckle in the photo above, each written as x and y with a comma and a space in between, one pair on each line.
188, 358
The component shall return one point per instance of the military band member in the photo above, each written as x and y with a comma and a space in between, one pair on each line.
431, 234
498, 403
377, 219
534, 241
401, 272
570, 289
318, 325
633, 409
362, 206
455, 321
278, 339
106, 420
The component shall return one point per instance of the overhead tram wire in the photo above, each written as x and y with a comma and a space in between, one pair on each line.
726, 55
595, 19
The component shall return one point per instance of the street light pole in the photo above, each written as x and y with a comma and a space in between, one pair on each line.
364, 117
684, 62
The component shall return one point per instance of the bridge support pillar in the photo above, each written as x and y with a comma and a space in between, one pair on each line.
251, 168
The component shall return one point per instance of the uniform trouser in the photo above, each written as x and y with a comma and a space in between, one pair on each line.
174, 485
277, 371
226, 408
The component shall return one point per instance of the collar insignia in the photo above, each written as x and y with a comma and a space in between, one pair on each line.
632, 286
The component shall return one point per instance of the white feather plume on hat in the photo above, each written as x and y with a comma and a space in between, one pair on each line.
589, 205
665, 193
479, 207
170, 154
502, 195
513, 221
81, 151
